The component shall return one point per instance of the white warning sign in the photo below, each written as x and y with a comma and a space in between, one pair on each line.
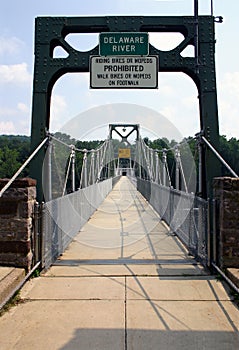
126, 72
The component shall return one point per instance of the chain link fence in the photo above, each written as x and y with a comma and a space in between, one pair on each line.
184, 213
63, 218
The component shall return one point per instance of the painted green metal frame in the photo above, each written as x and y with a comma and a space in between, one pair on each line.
124, 138
50, 32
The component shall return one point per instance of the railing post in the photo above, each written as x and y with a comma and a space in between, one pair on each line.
115, 171
73, 153
36, 245
118, 167
92, 168
211, 240
152, 165
157, 168
83, 181
85, 170
200, 166
164, 160
139, 159
48, 180
177, 172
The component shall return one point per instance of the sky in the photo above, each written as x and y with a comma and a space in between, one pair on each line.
175, 99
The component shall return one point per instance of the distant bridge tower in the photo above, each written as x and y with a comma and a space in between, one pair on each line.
120, 129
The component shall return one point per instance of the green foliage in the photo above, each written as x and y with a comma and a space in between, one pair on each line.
8, 162
14, 150
229, 150
36, 273
65, 138
88, 145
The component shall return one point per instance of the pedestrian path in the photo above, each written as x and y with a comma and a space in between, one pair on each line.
10, 278
125, 282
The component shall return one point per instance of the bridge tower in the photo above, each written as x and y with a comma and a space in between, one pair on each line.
124, 137
50, 32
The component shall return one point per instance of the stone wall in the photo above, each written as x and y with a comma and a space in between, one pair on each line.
226, 193
16, 223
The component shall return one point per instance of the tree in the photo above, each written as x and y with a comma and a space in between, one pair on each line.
8, 162
229, 150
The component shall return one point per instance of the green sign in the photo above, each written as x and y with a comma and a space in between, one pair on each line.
124, 43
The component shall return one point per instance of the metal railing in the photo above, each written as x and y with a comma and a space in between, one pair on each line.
184, 213
65, 216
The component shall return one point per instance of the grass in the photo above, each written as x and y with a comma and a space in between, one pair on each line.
36, 273
14, 301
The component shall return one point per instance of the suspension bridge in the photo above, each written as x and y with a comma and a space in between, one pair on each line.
126, 255
126, 249
147, 170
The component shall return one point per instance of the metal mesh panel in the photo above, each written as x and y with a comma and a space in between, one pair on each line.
65, 216
185, 214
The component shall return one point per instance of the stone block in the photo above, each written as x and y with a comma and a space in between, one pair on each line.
15, 225
16, 260
226, 192
26, 209
32, 193
19, 194
18, 247
15, 194
229, 222
19, 183
8, 208
15, 236
230, 235
16, 230
230, 262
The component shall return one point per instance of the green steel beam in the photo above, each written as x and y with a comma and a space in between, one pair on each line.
50, 32
115, 127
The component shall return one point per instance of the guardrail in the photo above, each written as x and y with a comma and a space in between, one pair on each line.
184, 213
65, 216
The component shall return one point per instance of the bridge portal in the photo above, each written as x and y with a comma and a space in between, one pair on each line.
50, 32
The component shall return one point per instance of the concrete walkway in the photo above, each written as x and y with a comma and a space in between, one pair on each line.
124, 283
10, 278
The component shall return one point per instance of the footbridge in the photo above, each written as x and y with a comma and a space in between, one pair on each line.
125, 236
135, 169
165, 181
125, 259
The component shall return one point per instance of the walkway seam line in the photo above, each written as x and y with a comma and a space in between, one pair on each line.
125, 313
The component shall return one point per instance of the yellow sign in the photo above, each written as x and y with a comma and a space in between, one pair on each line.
124, 153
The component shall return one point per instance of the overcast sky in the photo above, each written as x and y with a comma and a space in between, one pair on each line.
175, 99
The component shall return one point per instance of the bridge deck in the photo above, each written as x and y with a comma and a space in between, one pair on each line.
124, 283
125, 230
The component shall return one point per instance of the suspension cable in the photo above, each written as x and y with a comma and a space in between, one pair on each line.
183, 142
66, 144
219, 156
23, 166
76, 149
83, 178
164, 151
67, 173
